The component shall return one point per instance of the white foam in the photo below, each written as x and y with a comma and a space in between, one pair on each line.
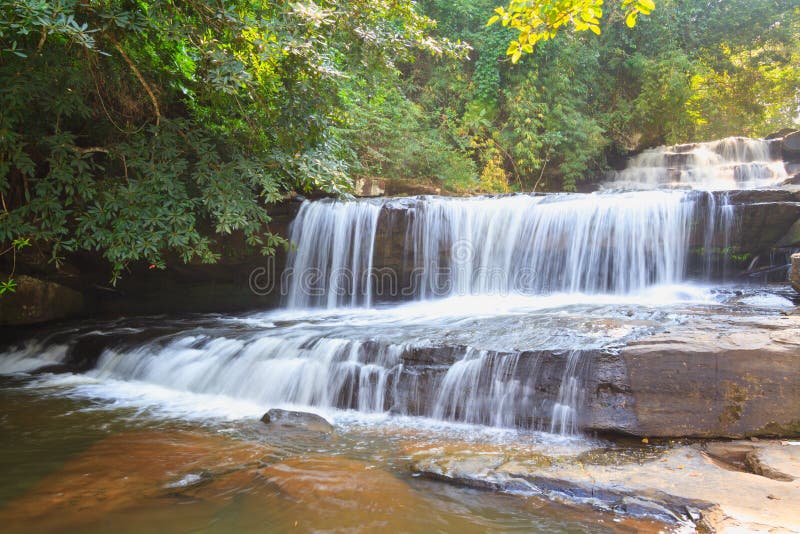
31, 356
766, 300
485, 305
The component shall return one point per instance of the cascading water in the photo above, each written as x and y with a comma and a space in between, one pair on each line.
600, 243
732, 163
333, 255
611, 244
270, 370
570, 395
482, 388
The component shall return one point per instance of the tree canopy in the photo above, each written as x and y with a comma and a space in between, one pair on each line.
132, 128
541, 20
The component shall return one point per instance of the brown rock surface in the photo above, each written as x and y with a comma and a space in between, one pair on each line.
37, 301
794, 275
729, 381
684, 483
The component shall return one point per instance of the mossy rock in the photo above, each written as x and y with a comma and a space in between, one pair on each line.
38, 301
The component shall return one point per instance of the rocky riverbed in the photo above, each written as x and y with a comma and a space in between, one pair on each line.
746, 486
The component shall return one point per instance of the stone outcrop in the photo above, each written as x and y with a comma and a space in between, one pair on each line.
717, 377
794, 274
716, 383
380, 187
38, 301
790, 147
691, 485
761, 219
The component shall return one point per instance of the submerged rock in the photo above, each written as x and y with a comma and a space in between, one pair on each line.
129, 470
297, 420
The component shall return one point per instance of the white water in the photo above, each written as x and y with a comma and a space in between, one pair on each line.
270, 370
570, 395
482, 388
732, 163
492, 279
334, 252
602, 243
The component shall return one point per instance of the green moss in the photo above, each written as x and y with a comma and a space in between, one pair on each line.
784, 430
736, 397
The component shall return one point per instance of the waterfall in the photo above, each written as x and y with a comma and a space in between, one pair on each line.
643, 230
276, 369
613, 241
600, 243
570, 395
483, 388
333, 256
731, 163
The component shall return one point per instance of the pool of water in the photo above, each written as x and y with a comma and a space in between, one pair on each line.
73, 463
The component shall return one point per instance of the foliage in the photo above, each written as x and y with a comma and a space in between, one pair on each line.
540, 20
9, 285
140, 129
691, 70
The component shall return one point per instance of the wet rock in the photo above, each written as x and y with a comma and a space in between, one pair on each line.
794, 274
609, 397
792, 180
682, 484
761, 220
780, 134
730, 381
297, 420
791, 238
38, 301
791, 146
323, 486
778, 463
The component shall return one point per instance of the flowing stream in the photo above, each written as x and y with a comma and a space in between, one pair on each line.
431, 311
377, 291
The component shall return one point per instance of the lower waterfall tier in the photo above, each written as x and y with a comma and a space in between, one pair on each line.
680, 361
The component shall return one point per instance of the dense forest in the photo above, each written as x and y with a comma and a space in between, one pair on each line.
138, 129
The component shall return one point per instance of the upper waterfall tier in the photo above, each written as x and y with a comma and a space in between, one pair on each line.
732, 163
636, 233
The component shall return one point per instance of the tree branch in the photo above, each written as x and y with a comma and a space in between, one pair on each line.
139, 76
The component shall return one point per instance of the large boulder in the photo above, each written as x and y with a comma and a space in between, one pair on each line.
794, 274
38, 301
725, 380
790, 147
